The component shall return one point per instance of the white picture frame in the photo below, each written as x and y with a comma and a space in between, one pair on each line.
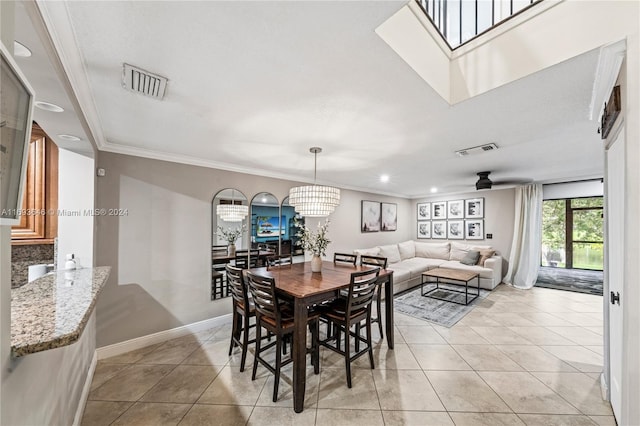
455, 209
474, 229
439, 210
439, 229
424, 211
424, 230
474, 208
455, 229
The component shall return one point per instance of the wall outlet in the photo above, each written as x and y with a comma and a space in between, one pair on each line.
489, 236
101, 172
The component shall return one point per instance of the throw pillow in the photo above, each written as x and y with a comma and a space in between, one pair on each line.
391, 252
407, 250
471, 257
484, 255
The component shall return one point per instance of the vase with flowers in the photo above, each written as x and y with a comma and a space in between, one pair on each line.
231, 235
314, 242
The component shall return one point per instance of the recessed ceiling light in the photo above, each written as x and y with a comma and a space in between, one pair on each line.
20, 50
384, 178
71, 138
434, 190
48, 106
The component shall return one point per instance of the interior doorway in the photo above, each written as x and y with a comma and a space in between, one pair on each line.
572, 245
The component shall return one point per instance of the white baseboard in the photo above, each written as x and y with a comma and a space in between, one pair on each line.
604, 388
161, 336
77, 419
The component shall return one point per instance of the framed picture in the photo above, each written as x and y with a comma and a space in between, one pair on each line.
474, 229
455, 229
455, 209
424, 229
389, 216
474, 208
439, 210
439, 229
370, 219
424, 211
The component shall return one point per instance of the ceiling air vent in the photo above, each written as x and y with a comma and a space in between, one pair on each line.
143, 82
477, 150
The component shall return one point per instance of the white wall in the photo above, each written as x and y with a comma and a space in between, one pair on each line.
45, 388
76, 181
588, 188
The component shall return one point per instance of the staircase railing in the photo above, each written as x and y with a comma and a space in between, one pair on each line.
460, 21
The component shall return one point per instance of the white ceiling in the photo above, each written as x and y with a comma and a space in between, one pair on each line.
253, 85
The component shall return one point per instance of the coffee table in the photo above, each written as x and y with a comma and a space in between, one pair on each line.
453, 276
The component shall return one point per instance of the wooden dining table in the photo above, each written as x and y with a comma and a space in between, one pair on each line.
307, 288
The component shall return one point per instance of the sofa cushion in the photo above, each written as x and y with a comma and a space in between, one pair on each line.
460, 250
471, 258
433, 250
484, 255
454, 264
373, 251
418, 265
391, 252
400, 272
407, 250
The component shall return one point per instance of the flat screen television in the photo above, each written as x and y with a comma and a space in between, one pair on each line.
16, 107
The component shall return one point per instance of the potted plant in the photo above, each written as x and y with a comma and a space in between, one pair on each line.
231, 236
315, 242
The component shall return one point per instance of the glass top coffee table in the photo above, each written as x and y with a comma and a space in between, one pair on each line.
453, 277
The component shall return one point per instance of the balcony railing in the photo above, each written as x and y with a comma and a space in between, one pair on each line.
460, 21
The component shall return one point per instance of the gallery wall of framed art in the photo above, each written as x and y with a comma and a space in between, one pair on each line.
453, 220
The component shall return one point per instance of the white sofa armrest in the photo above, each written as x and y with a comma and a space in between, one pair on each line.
495, 263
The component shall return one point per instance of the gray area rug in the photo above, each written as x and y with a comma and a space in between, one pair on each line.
441, 312
578, 280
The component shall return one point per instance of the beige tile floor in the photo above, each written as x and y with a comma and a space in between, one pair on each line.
519, 358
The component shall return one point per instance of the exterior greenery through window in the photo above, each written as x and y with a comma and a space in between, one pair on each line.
572, 234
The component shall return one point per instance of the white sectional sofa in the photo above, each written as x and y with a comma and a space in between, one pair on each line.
410, 259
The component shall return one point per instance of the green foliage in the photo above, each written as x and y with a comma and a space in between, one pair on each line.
231, 235
554, 219
315, 242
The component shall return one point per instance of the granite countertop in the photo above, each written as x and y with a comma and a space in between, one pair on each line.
53, 310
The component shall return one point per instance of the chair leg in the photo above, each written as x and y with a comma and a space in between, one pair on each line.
245, 342
315, 346
357, 341
369, 340
347, 350
276, 379
234, 330
379, 306
258, 340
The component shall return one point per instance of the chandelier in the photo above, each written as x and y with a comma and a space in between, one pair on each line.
232, 212
314, 200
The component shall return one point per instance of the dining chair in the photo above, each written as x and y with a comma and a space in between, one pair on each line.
243, 311
276, 317
352, 311
345, 258
218, 286
279, 261
246, 259
382, 263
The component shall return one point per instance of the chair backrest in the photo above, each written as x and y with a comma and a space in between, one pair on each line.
263, 291
239, 291
374, 261
345, 258
218, 249
279, 261
247, 258
361, 290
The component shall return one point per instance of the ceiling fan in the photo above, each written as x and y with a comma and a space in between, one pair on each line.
485, 183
